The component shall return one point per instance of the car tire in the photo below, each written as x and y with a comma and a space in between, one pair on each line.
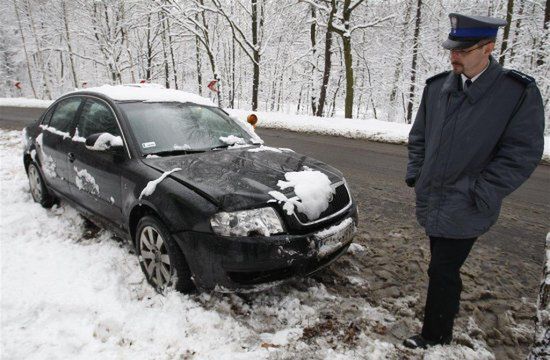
38, 189
160, 258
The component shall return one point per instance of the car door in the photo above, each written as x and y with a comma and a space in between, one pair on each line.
54, 141
96, 175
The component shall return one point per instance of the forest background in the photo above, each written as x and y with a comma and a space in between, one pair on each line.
366, 59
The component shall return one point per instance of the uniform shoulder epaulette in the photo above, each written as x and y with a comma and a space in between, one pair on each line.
521, 77
430, 79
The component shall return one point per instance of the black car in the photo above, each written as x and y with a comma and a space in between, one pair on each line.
191, 187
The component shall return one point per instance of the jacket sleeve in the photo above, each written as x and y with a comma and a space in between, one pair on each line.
518, 152
416, 142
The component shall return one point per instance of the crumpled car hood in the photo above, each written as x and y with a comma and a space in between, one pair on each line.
238, 178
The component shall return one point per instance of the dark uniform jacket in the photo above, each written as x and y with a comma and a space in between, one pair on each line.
468, 149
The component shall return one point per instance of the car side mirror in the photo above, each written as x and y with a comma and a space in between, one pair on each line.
252, 119
103, 142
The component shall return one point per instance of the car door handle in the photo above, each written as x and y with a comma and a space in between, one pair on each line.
71, 156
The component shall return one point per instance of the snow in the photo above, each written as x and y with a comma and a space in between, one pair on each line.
265, 148
85, 181
313, 192
369, 129
24, 102
329, 245
105, 141
356, 249
334, 229
182, 147
147, 92
55, 131
76, 137
232, 140
152, 185
269, 148
47, 162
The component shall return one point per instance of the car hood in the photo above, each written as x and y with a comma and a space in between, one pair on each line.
238, 178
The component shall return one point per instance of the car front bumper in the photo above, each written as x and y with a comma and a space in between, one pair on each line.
241, 264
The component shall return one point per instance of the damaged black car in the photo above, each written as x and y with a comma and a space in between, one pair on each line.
204, 202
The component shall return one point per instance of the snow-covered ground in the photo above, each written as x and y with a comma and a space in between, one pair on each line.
371, 129
69, 294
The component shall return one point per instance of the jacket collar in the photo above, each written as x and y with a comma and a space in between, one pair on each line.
479, 87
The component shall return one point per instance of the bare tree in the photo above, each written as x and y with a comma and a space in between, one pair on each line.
415, 55
24, 43
506, 35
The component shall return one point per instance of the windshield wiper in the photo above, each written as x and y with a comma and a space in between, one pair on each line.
223, 146
176, 152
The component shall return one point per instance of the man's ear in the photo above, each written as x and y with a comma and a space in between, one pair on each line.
489, 48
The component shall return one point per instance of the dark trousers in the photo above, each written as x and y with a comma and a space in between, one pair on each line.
443, 300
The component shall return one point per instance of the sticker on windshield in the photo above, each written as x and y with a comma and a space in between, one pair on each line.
148, 145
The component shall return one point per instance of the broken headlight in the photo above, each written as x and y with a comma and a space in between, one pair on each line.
255, 222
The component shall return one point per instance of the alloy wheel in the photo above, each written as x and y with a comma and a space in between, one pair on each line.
155, 257
35, 183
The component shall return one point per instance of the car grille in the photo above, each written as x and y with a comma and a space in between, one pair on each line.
340, 200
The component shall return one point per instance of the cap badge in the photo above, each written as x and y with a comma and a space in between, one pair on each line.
454, 22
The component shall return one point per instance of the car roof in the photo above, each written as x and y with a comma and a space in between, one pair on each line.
145, 92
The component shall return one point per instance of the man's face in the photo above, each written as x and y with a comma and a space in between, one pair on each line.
471, 60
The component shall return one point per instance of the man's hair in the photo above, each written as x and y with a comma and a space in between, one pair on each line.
483, 42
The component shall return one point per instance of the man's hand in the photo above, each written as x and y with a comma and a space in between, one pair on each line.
410, 181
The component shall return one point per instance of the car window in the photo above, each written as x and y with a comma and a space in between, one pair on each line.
96, 117
64, 114
168, 126
46, 118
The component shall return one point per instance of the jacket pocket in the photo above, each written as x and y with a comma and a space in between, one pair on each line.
482, 204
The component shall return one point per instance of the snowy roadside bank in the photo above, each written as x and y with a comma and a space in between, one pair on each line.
373, 130
70, 294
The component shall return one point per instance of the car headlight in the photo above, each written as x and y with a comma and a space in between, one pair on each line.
264, 221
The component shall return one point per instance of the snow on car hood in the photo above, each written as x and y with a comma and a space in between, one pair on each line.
237, 178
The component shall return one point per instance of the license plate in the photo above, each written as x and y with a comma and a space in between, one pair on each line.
331, 242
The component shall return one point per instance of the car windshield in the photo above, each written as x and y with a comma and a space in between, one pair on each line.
166, 128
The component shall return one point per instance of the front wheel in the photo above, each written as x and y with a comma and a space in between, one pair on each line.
161, 259
39, 191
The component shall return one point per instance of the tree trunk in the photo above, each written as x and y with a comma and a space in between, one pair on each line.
506, 34
313, 39
256, 56
24, 47
149, 49
516, 30
541, 346
171, 48
540, 58
198, 60
39, 57
348, 61
165, 55
232, 97
69, 46
415, 54
328, 63
400, 56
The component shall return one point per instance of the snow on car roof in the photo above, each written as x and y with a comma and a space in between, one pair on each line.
147, 92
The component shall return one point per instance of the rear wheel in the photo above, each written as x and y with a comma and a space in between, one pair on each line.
38, 188
161, 259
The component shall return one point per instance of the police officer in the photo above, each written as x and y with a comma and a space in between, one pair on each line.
477, 136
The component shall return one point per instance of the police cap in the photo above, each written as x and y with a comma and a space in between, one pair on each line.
468, 30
